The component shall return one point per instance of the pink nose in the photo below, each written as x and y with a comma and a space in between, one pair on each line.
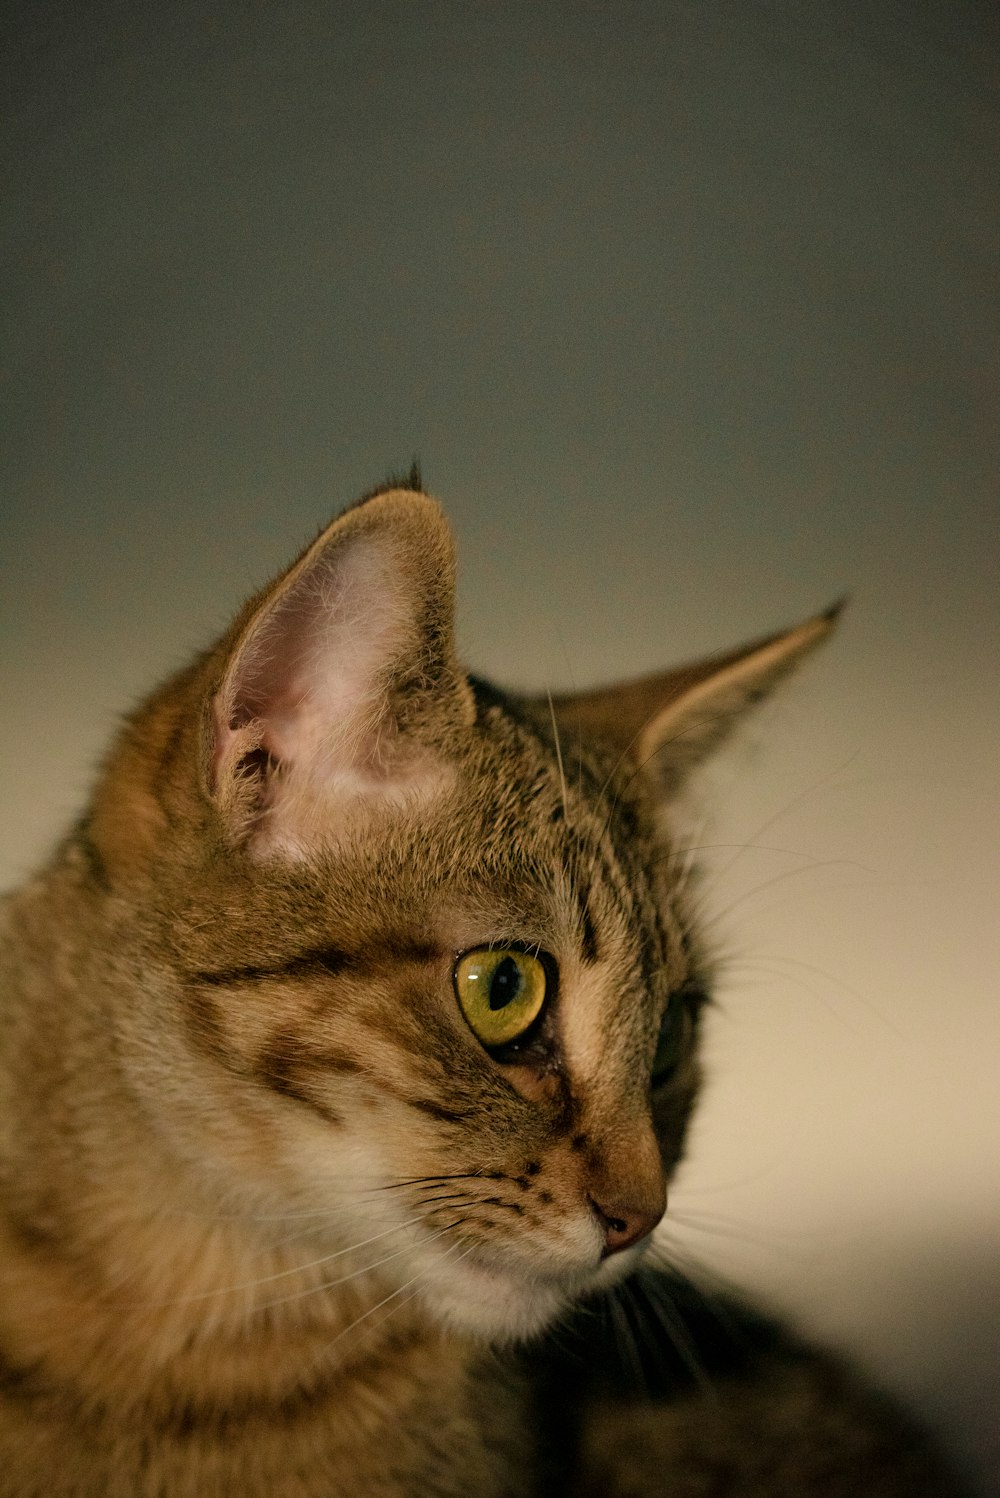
625, 1223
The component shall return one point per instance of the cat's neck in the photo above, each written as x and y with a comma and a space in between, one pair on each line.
199, 1314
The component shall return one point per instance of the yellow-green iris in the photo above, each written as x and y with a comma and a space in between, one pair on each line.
501, 991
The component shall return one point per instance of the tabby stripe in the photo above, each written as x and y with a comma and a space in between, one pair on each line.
324, 961
328, 961
283, 1082
437, 1110
581, 894
307, 1403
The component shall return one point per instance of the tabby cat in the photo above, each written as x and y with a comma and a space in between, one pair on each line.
348, 1047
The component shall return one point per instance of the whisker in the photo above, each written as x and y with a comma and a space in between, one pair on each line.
659, 1303
786, 874
579, 723
559, 758
344, 1279
671, 1261
460, 1175
790, 806
280, 1274
778, 959
720, 1187
806, 861
295, 1215
393, 1295
622, 1299
637, 768
747, 973
721, 1227
451, 1196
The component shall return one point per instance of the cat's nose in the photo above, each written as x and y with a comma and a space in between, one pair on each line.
624, 1223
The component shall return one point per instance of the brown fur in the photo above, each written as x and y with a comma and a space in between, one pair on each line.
274, 1222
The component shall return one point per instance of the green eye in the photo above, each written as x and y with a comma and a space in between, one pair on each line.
501, 992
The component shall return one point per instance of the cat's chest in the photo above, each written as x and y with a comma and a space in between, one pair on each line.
427, 1422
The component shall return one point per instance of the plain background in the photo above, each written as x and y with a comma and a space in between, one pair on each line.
690, 312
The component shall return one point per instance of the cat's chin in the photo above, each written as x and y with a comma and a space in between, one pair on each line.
499, 1306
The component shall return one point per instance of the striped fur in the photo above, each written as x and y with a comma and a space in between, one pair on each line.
274, 1222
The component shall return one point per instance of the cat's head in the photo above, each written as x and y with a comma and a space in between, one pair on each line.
414, 952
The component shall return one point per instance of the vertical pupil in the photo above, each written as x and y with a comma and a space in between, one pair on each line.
505, 984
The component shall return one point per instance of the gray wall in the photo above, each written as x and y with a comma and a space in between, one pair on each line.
690, 312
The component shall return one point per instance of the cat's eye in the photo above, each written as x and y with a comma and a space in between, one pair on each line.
501, 992
670, 1043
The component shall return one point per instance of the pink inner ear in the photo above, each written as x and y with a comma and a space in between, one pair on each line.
307, 684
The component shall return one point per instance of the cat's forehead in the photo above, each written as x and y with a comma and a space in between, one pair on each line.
517, 847
544, 850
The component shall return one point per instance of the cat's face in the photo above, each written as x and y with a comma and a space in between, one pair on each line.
498, 1176
428, 967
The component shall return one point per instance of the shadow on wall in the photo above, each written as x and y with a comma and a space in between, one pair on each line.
924, 1323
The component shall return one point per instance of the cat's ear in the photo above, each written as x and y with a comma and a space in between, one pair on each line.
670, 722
340, 684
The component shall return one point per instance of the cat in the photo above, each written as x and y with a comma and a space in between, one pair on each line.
349, 1042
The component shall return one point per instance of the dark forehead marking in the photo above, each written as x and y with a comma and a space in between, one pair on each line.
602, 863
656, 948
305, 965
578, 868
392, 947
613, 849
591, 949
620, 862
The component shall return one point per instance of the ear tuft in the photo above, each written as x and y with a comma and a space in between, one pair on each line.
411, 480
